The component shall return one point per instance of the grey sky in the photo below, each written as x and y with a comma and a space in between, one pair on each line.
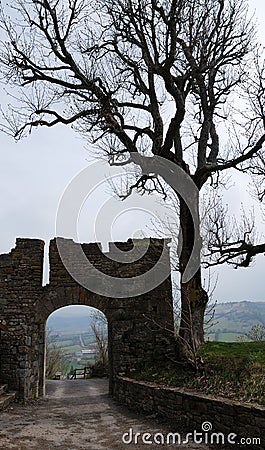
35, 172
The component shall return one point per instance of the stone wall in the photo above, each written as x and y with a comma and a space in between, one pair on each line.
139, 327
190, 410
20, 286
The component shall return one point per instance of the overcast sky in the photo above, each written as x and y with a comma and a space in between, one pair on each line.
35, 172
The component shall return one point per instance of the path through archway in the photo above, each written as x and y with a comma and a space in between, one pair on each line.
76, 343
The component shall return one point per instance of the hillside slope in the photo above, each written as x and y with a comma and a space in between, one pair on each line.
71, 319
234, 319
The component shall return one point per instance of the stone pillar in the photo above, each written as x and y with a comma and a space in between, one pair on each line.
20, 287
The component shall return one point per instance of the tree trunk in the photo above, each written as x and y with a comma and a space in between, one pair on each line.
193, 297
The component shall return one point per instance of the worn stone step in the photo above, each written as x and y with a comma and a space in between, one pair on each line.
6, 399
3, 388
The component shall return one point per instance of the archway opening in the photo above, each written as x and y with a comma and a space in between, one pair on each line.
76, 344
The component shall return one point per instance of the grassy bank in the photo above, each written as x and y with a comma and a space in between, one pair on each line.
231, 370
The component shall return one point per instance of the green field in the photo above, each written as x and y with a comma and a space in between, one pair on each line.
244, 351
70, 344
88, 339
67, 343
72, 349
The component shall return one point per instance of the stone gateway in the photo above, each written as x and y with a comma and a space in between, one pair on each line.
140, 328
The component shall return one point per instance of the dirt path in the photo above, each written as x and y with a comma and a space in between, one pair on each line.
77, 415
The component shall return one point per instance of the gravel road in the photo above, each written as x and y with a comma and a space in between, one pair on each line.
78, 415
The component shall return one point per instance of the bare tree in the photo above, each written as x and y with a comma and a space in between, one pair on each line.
99, 327
232, 241
168, 78
55, 361
256, 333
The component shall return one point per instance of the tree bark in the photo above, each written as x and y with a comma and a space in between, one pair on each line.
194, 298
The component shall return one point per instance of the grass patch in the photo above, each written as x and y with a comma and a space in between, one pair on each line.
234, 350
231, 370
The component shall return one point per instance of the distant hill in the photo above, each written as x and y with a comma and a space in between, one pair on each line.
230, 320
71, 319
234, 319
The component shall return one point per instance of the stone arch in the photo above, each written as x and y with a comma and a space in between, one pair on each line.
139, 328
90, 316
57, 297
